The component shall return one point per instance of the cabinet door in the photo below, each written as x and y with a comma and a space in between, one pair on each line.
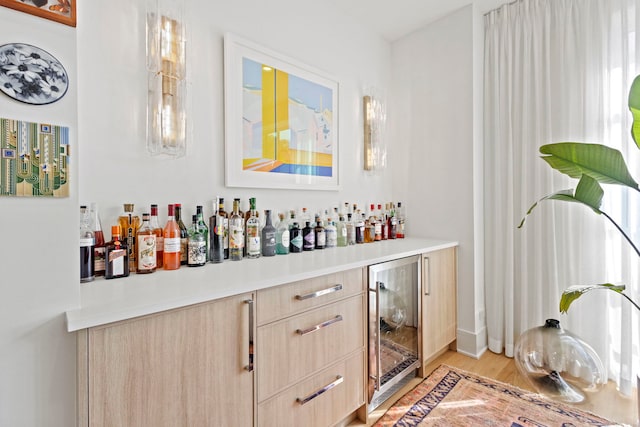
439, 319
184, 367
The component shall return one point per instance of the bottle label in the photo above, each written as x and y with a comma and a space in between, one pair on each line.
378, 228
270, 238
183, 249
172, 245
197, 252
116, 260
98, 256
343, 231
236, 238
332, 238
297, 241
146, 251
87, 242
225, 231
321, 238
309, 240
285, 238
253, 245
159, 244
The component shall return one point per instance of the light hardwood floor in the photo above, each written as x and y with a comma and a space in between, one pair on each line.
607, 402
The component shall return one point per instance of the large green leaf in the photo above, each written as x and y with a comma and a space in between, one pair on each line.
588, 193
574, 292
602, 163
634, 107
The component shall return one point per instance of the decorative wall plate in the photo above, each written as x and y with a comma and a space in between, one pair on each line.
31, 75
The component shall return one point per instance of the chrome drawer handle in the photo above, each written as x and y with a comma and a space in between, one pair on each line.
249, 302
317, 294
326, 388
336, 319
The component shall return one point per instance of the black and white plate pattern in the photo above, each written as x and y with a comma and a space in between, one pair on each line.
31, 75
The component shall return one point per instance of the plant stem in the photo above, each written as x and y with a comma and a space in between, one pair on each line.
625, 236
630, 300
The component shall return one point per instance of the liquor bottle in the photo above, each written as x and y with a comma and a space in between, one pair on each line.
268, 235
282, 236
369, 226
308, 237
392, 222
171, 259
116, 256
129, 224
252, 231
360, 228
236, 233
225, 226
184, 234
296, 240
320, 236
98, 251
351, 230
202, 226
217, 232
196, 243
146, 246
157, 230
401, 221
246, 216
331, 233
382, 220
87, 246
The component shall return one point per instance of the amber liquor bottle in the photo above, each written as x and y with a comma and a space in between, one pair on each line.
159, 232
129, 224
98, 251
117, 256
171, 258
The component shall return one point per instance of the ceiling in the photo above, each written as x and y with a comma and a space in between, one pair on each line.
394, 19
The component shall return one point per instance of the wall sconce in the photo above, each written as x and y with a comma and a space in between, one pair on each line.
166, 77
375, 117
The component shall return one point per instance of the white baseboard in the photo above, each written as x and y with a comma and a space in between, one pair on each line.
472, 344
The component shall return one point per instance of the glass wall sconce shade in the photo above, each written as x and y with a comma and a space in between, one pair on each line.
166, 78
557, 363
375, 117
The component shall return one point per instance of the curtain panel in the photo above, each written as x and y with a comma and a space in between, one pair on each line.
558, 71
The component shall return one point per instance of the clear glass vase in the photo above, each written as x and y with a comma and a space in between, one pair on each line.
557, 363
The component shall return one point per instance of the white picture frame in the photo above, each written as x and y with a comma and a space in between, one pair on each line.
281, 121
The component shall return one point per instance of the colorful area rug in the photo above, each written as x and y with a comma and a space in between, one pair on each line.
453, 397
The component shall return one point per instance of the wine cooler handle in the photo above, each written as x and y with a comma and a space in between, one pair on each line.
249, 367
339, 380
427, 276
317, 294
317, 327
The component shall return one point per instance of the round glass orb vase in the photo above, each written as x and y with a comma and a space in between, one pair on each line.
557, 363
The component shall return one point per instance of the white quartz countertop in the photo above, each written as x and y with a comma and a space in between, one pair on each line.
106, 301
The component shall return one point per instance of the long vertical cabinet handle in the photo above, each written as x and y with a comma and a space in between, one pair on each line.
249, 367
378, 349
426, 276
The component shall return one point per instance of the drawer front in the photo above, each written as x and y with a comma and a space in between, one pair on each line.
322, 400
293, 298
291, 349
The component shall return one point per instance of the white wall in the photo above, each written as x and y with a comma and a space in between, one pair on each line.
112, 103
38, 258
433, 123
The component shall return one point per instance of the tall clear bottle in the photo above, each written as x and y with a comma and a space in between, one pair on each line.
401, 221
117, 256
217, 232
196, 244
341, 231
268, 235
171, 260
331, 233
184, 234
392, 222
129, 224
236, 233
252, 211
146, 246
225, 225
87, 246
282, 236
253, 246
159, 232
98, 251
351, 230
202, 226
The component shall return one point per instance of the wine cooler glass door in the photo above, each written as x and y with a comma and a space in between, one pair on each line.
394, 323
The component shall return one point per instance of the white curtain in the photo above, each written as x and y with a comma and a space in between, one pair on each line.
559, 70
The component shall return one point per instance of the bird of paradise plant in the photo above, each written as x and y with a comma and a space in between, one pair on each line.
592, 165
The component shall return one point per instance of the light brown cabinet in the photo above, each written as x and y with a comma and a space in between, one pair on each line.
185, 367
439, 318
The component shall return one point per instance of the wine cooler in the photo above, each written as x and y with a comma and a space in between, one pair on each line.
394, 326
